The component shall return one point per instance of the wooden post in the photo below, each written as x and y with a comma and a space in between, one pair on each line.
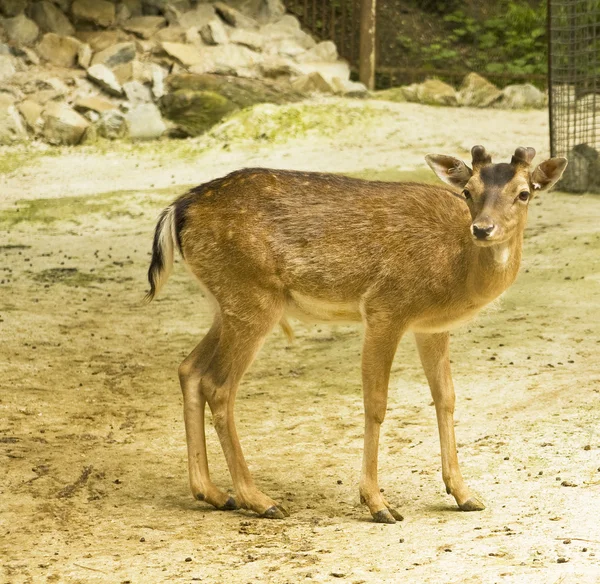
366, 68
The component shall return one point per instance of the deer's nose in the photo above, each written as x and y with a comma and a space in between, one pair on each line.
483, 229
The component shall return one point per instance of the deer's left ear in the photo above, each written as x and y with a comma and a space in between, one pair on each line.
451, 170
548, 173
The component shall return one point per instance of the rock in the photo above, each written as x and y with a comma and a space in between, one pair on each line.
271, 10
84, 55
63, 125
325, 51
174, 34
112, 125
252, 40
122, 14
50, 18
228, 59
583, 171
395, 94
59, 50
187, 55
12, 7
11, 127
32, 114
95, 104
21, 30
158, 81
144, 26
29, 56
326, 69
137, 93
214, 33
134, 6
312, 83
476, 91
123, 72
522, 96
199, 17
349, 88
105, 78
98, 12
234, 17
115, 55
154, 7
431, 92
100, 40
145, 122
274, 67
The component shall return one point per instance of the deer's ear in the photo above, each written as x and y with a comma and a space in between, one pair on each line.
548, 173
451, 170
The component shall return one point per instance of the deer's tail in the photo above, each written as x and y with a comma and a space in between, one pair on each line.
165, 240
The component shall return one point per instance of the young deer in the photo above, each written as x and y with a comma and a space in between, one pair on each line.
399, 256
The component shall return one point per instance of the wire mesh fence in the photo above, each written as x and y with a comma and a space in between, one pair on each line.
574, 74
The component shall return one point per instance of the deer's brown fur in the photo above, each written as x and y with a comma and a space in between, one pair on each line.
267, 244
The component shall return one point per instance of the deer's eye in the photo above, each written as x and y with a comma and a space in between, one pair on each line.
467, 194
524, 196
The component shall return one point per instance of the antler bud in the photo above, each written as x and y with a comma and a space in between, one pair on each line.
480, 156
523, 156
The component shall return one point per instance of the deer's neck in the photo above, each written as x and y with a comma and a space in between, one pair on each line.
494, 268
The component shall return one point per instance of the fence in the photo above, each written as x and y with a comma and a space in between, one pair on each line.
574, 83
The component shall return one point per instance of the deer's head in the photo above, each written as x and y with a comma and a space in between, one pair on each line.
497, 194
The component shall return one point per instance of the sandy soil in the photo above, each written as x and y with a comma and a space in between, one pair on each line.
94, 480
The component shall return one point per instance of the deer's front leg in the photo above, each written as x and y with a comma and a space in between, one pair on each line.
378, 353
435, 357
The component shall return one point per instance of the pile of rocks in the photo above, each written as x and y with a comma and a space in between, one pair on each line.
475, 91
73, 70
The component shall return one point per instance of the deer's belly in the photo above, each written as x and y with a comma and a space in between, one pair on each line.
309, 308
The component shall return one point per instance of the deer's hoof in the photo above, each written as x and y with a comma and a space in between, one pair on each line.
384, 516
395, 514
274, 512
230, 505
472, 504
283, 510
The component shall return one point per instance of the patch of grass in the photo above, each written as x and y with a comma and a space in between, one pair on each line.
12, 160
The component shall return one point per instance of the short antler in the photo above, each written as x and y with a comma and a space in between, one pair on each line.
523, 156
480, 156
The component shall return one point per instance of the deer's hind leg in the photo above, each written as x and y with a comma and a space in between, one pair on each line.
190, 376
242, 334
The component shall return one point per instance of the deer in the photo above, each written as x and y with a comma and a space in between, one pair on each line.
266, 245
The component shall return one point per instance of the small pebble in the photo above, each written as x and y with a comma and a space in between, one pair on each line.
142, 539
566, 541
587, 447
188, 559
562, 560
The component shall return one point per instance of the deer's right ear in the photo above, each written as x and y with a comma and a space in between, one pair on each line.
451, 170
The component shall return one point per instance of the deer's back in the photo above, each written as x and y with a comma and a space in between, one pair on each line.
322, 235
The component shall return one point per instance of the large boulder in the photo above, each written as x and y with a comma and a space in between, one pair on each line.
431, 92
50, 18
522, 96
59, 50
63, 125
195, 103
476, 91
21, 30
145, 122
583, 171
11, 127
98, 12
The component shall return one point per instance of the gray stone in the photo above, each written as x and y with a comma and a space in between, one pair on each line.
134, 6
98, 12
29, 56
4, 49
476, 91
50, 18
12, 7
234, 17
32, 114
325, 51
327, 69
171, 34
115, 55
522, 96
248, 38
270, 10
214, 33
105, 78
144, 26
112, 125
63, 125
312, 83
137, 93
431, 92
228, 59
187, 55
273, 67
102, 39
349, 88
84, 55
200, 16
158, 81
11, 127
21, 30
58, 50
287, 47
145, 122
122, 14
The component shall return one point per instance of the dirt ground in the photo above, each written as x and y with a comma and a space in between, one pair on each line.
94, 481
